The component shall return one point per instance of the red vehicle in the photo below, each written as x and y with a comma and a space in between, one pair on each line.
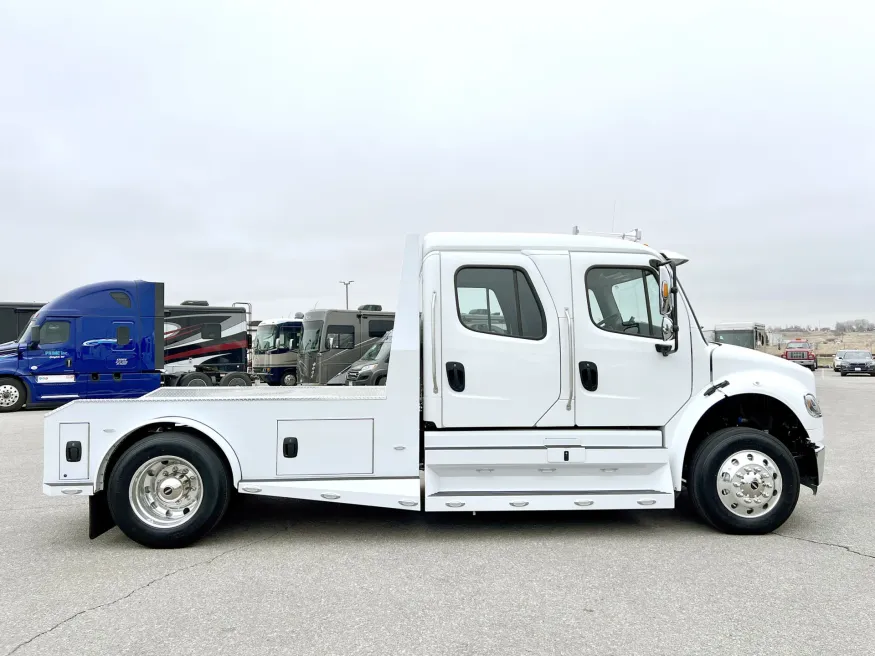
801, 352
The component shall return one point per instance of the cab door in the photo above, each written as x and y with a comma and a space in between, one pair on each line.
51, 361
622, 379
499, 335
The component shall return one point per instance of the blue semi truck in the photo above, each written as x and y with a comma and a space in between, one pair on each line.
117, 339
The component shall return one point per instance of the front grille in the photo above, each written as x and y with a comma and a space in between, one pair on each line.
352, 375
798, 355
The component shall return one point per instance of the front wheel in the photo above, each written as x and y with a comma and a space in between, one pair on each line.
289, 379
168, 490
744, 481
12, 395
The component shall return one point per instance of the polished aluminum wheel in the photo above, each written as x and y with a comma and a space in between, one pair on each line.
9, 395
166, 492
749, 483
290, 380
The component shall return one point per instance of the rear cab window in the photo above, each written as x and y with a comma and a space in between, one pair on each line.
499, 301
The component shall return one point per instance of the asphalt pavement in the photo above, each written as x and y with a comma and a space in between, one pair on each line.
282, 576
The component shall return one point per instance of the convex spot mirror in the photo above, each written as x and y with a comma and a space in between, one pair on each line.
666, 298
667, 329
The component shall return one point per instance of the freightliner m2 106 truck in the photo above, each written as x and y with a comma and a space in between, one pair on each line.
118, 340
594, 391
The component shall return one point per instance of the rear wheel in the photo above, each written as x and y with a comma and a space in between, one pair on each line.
195, 379
235, 380
12, 395
168, 490
744, 481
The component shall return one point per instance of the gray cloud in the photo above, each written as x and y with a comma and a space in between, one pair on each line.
261, 152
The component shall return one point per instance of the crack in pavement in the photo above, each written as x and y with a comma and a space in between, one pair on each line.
826, 544
143, 587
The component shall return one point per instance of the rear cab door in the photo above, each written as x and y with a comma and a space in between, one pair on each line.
500, 345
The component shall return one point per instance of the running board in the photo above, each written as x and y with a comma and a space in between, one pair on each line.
402, 493
539, 500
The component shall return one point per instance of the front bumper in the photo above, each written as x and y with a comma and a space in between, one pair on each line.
820, 455
852, 369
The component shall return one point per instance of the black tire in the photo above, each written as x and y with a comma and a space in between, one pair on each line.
14, 388
844, 374
195, 379
705, 468
214, 478
289, 379
382, 382
236, 379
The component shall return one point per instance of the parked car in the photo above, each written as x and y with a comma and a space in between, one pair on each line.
371, 369
857, 362
801, 352
837, 360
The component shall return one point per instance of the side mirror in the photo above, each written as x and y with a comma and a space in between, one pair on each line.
668, 329
666, 299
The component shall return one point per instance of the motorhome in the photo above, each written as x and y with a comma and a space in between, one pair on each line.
275, 350
597, 391
334, 339
748, 334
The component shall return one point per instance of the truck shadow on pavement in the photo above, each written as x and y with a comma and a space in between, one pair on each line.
333, 520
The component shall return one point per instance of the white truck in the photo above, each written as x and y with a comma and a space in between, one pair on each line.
595, 390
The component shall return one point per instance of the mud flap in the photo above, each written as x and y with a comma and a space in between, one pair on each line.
99, 518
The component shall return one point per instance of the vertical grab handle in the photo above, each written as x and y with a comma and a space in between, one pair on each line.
570, 323
433, 345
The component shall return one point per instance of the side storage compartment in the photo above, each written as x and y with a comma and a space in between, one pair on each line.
73, 440
324, 447
547, 478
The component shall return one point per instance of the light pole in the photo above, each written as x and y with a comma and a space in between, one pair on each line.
346, 284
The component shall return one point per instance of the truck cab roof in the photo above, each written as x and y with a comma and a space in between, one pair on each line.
524, 241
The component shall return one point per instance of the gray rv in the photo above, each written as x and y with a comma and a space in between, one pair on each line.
334, 339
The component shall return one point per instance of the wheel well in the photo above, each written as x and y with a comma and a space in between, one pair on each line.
764, 413
151, 429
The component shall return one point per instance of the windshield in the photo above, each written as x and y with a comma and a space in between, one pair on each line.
265, 339
799, 345
857, 355
378, 351
743, 338
312, 336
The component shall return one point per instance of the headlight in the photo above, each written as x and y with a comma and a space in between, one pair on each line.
812, 406
368, 367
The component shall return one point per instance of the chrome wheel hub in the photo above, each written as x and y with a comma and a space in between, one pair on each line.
9, 395
165, 492
749, 483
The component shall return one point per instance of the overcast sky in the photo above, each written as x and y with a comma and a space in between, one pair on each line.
262, 151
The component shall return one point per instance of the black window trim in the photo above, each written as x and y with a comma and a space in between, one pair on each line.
641, 268
511, 267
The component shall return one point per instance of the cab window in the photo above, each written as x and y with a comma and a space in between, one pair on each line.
624, 300
500, 301
54, 332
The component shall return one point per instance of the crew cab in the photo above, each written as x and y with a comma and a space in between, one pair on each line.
801, 352
586, 385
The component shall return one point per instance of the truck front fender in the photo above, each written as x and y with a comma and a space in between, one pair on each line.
200, 427
782, 389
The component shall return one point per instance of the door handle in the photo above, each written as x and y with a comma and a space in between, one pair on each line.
589, 376
290, 447
456, 376
69, 363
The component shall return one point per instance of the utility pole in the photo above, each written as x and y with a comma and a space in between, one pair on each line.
346, 284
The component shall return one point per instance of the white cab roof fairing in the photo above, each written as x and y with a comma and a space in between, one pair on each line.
273, 322
526, 241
